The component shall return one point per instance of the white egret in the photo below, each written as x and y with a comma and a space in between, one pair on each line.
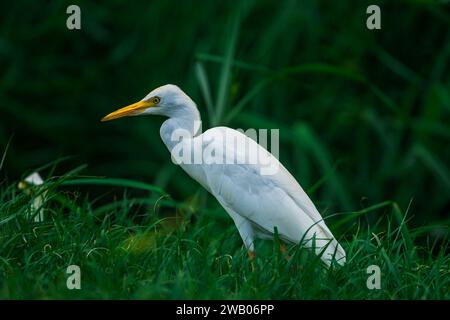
256, 202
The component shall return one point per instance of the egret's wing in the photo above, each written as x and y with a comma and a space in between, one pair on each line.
281, 178
265, 200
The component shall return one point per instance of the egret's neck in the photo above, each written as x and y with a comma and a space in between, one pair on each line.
183, 125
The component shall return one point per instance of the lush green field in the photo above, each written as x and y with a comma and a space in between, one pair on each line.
363, 118
127, 252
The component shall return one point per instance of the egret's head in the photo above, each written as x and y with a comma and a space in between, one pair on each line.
167, 100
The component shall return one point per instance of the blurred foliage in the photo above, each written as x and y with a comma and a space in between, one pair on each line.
363, 115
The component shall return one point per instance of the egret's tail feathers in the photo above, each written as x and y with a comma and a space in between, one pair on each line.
334, 251
327, 247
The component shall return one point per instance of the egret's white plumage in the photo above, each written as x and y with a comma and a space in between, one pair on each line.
257, 203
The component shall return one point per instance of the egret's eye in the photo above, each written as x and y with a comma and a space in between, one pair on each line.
156, 100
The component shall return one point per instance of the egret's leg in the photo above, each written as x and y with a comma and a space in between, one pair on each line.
244, 227
245, 231
283, 250
251, 255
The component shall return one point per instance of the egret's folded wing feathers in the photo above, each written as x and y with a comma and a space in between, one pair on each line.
266, 200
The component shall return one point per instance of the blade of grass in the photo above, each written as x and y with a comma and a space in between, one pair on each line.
398, 215
433, 163
307, 137
225, 78
5, 152
51, 164
113, 182
246, 99
203, 82
236, 63
396, 66
354, 214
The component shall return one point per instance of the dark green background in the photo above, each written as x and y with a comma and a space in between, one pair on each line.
363, 115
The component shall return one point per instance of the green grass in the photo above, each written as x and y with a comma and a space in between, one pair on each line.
363, 118
152, 247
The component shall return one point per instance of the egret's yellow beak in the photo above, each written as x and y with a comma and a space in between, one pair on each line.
131, 110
